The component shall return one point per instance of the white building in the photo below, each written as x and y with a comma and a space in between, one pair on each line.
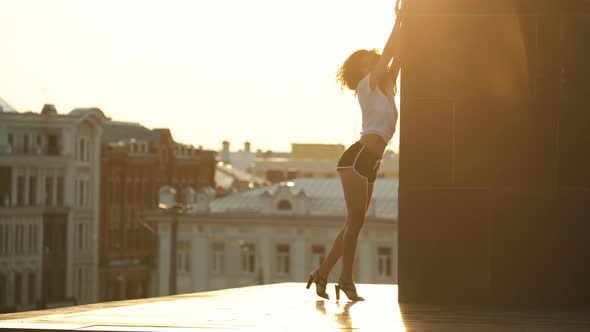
272, 234
49, 191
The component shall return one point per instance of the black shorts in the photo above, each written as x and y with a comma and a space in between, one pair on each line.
361, 160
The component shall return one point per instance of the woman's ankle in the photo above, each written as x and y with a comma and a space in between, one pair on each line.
345, 280
322, 274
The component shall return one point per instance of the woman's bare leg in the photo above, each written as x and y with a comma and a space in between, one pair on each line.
369, 195
334, 254
355, 195
337, 247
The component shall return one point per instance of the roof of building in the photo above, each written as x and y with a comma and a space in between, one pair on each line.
81, 111
115, 131
5, 107
326, 197
238, 174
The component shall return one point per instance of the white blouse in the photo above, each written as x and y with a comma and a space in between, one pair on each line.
379, 110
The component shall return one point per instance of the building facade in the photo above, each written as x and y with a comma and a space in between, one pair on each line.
278, 233
49, 182
136, 161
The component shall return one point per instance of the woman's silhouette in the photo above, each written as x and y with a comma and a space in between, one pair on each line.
359, 164
368, 74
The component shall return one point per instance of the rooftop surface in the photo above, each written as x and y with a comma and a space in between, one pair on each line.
326, 195
290, 307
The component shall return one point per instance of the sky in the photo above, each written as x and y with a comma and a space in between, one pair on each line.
261, 71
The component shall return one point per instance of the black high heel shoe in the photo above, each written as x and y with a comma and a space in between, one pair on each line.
349, 289
320, 284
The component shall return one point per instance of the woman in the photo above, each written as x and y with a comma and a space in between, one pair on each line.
359, 164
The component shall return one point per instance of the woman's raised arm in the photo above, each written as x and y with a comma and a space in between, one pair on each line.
390, 51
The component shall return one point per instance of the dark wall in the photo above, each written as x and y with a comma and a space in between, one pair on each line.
495, 152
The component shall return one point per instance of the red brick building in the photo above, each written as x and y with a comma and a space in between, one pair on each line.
135, 163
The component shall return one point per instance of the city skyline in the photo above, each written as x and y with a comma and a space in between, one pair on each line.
209, 72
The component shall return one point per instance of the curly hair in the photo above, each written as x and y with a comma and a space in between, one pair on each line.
351, 71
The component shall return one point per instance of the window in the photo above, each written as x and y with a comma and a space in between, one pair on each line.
3, 290
81, 278
146, 194
26, 143
87, 156
318, 254
130, 236
18, 288
217, 259
52, 145
141, 235
138, 192
80, 283
80, 236
32, 287
60, 191
23, 237
82, 149
110, 239
81, 192
86, 193
48, 191
19, 239
32, 240
284, 205
183, 261
112, 190
16, 239
32, 190
9, 239
248, 258
20, 190
384, 261
35, 238
2, 242
137, 195
11, 140
283, 264
39, 141
187, 262
87, 281
129, 191
5, 236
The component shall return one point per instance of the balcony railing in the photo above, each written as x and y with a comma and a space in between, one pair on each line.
32, 151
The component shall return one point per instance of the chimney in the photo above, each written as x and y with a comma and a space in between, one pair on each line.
225, 152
